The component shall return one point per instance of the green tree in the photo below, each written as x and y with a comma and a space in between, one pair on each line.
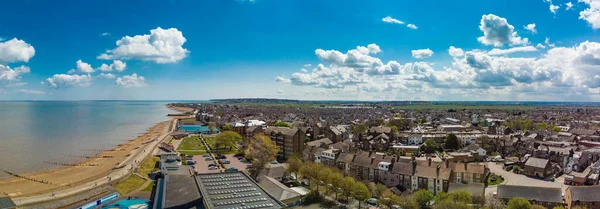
360, 128
388, 198
323, 177
376, 189
441, 196
452, 142
347, 187
211, 126
558, 207
282, 124
430, 145
423, 120
262, 151
461, 197
337, 179
518, 203
492, 202
423, 197
394, 130
226, 127
361, 192
450, 204
293, 165
408, 202
379, 121
228, 139
538, 207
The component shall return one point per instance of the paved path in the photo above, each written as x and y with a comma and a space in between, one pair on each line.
511, 178
139, 155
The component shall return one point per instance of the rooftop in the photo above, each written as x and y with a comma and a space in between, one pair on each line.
234, 190
540, 194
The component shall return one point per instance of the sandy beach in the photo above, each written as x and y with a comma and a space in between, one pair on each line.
70, 176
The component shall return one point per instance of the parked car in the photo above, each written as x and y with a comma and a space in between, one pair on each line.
221, 157
189, 157
212, 168
372, 201
238, 155
212, 165
243, 160
232, 169
208, 159
226, 162
205, 155
190, 162
274, 162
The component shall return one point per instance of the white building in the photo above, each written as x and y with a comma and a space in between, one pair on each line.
415, 139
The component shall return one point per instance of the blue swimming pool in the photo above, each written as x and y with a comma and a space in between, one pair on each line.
129, 204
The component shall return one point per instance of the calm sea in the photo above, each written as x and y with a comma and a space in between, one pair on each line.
34, 132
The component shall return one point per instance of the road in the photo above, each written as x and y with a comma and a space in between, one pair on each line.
511, 178
138, 156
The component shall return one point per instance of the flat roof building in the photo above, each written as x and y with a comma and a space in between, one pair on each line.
234, 190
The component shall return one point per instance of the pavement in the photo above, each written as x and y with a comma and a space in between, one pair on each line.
138, 156
511, 178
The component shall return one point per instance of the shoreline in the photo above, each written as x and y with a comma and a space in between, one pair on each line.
64, 177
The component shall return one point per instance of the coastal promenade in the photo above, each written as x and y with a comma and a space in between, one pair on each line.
125, 169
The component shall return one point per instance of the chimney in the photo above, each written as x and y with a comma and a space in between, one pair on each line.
429, 161
372, 159
447, 163
370, 153
414, 165
393, 160
437, 170
466, 163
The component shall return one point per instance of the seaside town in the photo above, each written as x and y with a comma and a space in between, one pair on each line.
233, 154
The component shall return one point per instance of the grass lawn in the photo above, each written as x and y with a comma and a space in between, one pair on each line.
193, 152
495, 179
191, 143
211, 141
129, 184
150, 187
148, 166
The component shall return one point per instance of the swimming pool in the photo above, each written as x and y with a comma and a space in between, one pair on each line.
129, 204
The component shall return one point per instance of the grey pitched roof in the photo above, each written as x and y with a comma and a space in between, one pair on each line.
276, 172
585, 193
335, 130
317, 143
362, 159
380, 129
475, 189
402, 168
277, 189
6, 202
540, 194
345, 157
536, 162
283, 130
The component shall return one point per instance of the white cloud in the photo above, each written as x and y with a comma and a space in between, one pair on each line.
27, 91
568, 6
107, 75
455, 52
9, 74
554, 8
65, 80
160, 46
412, 26
392, 20
132, 80
307, 65
541, 46
547, 42
530, 27
105, 34
592, 13
15, 50
280, 91
282, 79
512, 50
17, 84
421, 53
497, 32
117, 65
82, 67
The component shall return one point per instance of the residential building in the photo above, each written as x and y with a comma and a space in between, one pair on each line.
545, 196
415, 139
587, 196
467, 173
344, 161
289, 140
329, 156
435, 179
538, 167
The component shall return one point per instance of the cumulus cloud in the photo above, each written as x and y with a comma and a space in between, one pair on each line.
531, 27
421, 53
553, 8
455, 52
66, 80
160, 46
15, 50
392, 20
282, 79
132, 80
512, 50
497, 32
27, 91
412, 26
105, 34
307, 65
9, 74
107, 75
541, 46
591, 14
117, 65
568, 6
82, 67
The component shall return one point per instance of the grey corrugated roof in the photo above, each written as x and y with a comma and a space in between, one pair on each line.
541, 194
6, 202
585, 193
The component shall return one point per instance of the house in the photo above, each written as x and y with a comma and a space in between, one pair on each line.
435, 179
276, 172
329, 156
467, 173
360, 166
538, 167
587, 196
325, 142
343, 162
334, 134
278, 190
476, 148
379, 143
545, 196
307, 154
403, 172
378, 130
289, 140
7, 203
450, 128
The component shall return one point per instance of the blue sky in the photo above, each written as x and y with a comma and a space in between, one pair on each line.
309, 49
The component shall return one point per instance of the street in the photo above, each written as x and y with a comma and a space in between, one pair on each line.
511, 178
